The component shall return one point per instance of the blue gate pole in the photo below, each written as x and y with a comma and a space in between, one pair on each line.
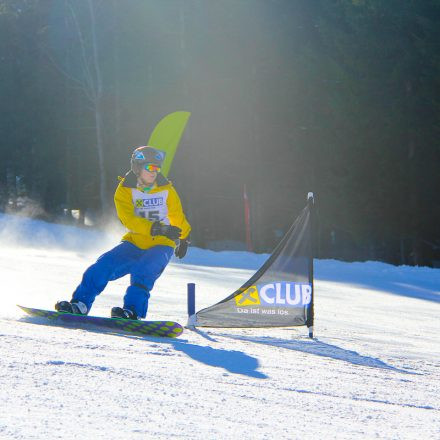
191, 299
191, 287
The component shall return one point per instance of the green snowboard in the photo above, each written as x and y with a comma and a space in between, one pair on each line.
167, 329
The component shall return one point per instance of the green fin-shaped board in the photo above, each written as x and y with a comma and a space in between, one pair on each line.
166, 136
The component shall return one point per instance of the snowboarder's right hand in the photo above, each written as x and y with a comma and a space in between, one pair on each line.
171, 232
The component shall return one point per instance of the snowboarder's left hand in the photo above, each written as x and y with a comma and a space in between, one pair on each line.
181, 249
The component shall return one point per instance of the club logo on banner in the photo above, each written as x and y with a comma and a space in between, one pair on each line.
275, 294
249, 297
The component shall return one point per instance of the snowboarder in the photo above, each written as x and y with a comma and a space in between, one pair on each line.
148, 205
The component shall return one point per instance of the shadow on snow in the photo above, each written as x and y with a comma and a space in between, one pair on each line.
233, 361
411, 282
319, 348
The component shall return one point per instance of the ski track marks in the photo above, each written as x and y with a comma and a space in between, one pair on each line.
372, 371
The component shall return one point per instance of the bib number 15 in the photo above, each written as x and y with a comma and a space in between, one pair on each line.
153, 216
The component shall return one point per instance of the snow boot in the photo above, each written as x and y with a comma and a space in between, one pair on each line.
74, 307
119, 312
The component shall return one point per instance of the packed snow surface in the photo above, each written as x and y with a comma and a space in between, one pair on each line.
373, 370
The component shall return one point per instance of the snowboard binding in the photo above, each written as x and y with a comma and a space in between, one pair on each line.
119, 312
75, 307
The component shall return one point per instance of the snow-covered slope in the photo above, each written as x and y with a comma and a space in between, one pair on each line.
372, 372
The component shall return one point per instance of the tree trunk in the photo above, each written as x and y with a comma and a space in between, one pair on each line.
98, 113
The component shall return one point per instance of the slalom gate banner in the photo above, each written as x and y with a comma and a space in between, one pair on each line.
280, 293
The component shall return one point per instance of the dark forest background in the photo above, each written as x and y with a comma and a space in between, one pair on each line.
338, 97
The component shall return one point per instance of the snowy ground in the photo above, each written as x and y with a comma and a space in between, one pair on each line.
372, 372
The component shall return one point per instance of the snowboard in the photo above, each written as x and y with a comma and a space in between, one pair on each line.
167, 329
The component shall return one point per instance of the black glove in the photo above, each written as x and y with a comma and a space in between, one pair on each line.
171, 232
181, 249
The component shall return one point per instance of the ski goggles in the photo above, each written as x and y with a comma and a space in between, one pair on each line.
152, 168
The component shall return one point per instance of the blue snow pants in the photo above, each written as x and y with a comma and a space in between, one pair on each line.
144, 267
